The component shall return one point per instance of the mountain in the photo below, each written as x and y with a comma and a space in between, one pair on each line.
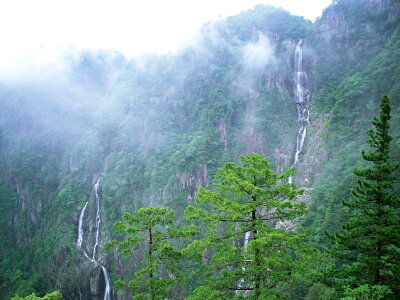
156, 128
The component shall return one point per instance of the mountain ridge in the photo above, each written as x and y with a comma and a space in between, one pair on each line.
157, 129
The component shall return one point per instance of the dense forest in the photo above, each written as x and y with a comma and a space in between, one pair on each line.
261, 161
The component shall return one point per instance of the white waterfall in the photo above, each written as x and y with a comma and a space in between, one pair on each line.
246, 238
80, 227
302, 99
246, 241
301, 135
96, 195
107, 291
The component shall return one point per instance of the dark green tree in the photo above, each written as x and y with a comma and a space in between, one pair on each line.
368, 247
150, 231
252, 203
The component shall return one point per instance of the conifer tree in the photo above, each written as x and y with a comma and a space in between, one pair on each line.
369, 243
248, 203
150, 231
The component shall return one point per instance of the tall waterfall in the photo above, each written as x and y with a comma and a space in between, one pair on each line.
107, 290
302, 99
80, 227
96, 195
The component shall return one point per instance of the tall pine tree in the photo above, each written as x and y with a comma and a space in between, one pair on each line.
151, 230
369, 244
250, 202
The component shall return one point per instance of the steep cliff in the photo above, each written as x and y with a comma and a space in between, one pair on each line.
356, 44
157, 128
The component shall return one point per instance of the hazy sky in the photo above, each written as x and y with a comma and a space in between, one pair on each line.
30, 27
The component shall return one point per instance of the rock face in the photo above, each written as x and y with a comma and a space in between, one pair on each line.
90, 283
340, 20
315, 154
170, 122
190, 182
249, 136
332, 25
96, 284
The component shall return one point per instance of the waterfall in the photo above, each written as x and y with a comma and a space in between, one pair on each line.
301, 135
80, 232
96, 195
246, 238
245, 242
80, 227
302, 99
107, 291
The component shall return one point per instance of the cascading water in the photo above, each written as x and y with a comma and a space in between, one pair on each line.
246, 241
107, 291
246, 238
80, 232
96, 195
80, 227
302, 99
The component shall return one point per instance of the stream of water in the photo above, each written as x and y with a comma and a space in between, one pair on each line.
302, 99
107, 290
80, 227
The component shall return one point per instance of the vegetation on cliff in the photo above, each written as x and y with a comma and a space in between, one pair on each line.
158, 128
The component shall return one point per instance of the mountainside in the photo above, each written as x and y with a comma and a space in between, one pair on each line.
155, 129
357, 44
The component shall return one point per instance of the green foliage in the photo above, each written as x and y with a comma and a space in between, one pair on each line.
205, 293
279, 22
368, 292
354, 69
369, 243
151, 229
250, 200
166, 118
350, 46
52, 296
162, 129
319, 291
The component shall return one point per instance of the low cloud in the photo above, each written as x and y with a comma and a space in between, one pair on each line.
205, 40
259, 55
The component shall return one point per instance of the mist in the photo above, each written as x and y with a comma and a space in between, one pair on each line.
258, 56
56, 93
157, 124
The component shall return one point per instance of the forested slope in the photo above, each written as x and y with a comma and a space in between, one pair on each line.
156, 128
357, 44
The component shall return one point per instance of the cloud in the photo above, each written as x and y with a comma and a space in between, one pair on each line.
259, 55
41, 63
204, 40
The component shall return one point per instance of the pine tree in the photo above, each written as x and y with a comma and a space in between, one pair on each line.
249, 202
150, 231
369, 243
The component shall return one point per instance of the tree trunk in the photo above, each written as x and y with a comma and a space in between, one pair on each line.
257, 283
151, 275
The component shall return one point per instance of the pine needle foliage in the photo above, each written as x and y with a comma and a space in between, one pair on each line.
368, 246
151, 230
249, 202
